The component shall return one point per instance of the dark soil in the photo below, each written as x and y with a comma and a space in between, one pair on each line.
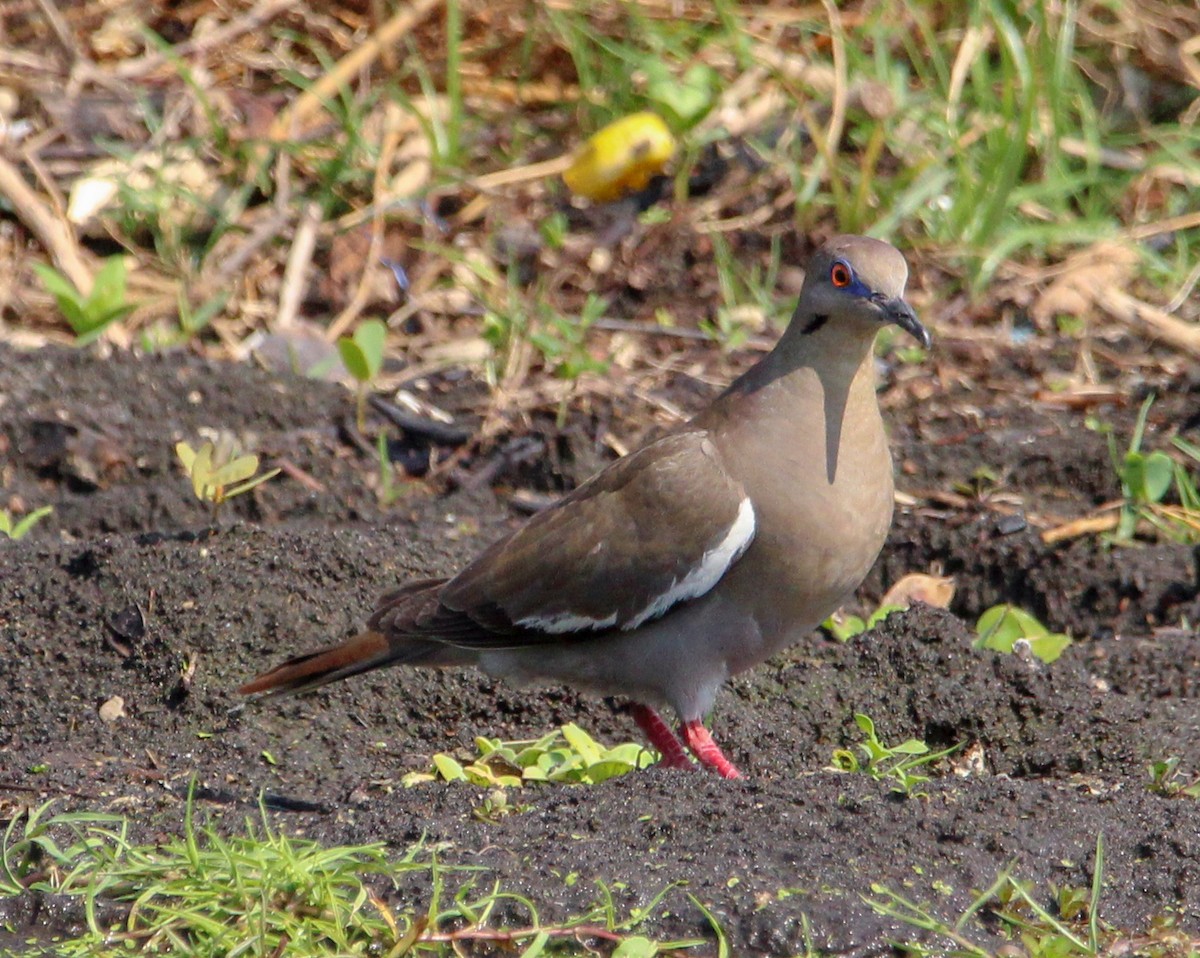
1062, 750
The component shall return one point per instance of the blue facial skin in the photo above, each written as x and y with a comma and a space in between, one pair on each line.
894, 310
857, 287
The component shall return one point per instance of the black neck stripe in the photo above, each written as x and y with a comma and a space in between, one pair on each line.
814, 324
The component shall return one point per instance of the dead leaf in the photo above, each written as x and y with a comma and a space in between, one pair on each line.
1085, 281
933, 590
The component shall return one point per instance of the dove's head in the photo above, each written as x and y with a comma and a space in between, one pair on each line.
856, 281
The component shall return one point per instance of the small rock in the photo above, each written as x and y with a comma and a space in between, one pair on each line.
112, 710
1009, 525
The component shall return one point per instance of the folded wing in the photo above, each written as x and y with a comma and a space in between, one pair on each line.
656, 529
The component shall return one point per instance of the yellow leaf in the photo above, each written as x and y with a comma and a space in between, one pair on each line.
202, 470
621, 157
241, 468
186, 454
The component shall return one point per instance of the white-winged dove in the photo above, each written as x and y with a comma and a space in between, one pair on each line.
696, 557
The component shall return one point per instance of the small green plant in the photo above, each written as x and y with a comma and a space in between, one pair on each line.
1001, 627
567, 755
1074, 933
1167, 779
562, 340
496, 807
89, 315
18, 528
897, 763
685, 99
845, 627
389, 490
191, 322
28, 849
554, 229
362, 355
221, 471
513, 325
1147, 477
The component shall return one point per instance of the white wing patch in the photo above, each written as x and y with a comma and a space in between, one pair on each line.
707, 573
703, 576
566, 622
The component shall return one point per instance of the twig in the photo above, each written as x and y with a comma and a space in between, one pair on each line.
521, 174
1083, 526
52, 232
326, 88
306, 479
1183, 335
42, 789
299, 259
516, 934
837, 118
1184, 221
60, 28
362, 291
673, 332
975, 40
262, 234
221, 36
1185, 291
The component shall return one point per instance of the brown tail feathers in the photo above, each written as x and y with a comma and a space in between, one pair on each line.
364, 652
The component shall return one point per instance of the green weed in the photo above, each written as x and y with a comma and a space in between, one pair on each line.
845, 627
1147, 477
986, 138
389, 490
749, 295
511, 324
1001, 627
88, 316
362, 355
13, 528
567, 755
644, 62
1076, 930
220, 471
191, 321
897, 764
1167, 779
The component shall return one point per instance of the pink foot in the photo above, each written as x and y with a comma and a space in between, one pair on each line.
661, 737
706, 750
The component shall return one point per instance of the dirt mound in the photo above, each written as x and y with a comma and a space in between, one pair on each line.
123, 593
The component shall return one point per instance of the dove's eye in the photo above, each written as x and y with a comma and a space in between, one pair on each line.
840, 275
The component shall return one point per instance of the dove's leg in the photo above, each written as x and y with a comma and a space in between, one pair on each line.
661, 737
701, 744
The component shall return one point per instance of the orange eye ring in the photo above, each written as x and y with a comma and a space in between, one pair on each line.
840, 275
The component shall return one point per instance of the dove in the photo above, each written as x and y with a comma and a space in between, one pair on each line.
692, 559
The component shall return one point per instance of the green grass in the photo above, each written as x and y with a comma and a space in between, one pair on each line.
261, 892
993, 148
1063, 921
979, 134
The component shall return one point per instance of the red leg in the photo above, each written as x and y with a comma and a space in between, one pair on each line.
706, 750
661, 737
